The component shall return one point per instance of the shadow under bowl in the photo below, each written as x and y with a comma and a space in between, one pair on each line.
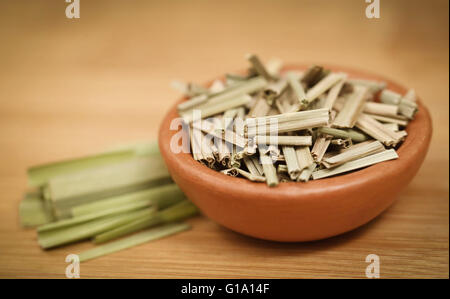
293, 212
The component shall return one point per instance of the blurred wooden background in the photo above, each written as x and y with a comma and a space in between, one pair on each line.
73, 87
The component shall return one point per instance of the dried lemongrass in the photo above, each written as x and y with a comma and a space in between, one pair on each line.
258, 66
298, 90
392, 126
291, 161
343, 134
342, 143
323, 85
270, 172
381, 109
306, 173
284, 140
390, 97
373, 86
333, 94
250, 176
320, 147
312, 75
353, 154
304, 157
261, 108
356, 164
399, 119
379, 132
353, 107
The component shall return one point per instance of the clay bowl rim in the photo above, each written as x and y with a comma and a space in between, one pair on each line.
419, 134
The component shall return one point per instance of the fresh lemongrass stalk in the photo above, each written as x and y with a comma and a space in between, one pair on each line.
381, 109
297, 89
390, 97
354, 153
250, 176
353, 107
319, 148
304, 157
34, 210
356, 164
306, 173
161, 197
258, 66
373, 86
228, 135
180, 211
39, 175
389, 119
392, 126
349, 133
284, 140
96, 215
323, 85
192, 102
209, 109
261, 108
53, 238
291, 161
105, 181
137, 239
334, 93
269, 170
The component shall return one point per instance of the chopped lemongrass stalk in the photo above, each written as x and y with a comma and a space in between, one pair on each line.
228, 117
306, 173
393, 120
34, 210
137, 239
381, 109
353, 107
286, 117
257, 164
108, 180
392, 126
192, 102
161, 197
323, 85
284, 140
356, 164
373, 86
353, 154
298, 90
345, 134
408, 105
291, 161
217, 87
269, 170
312, 75
343, 143
273, 67
96, 215
376, 130
390, 97
282, 168
228, 135
261, 108
178, 212
209, 109
53, 238
230, 172
333, 94
250, 176
258, 66
39, 175
319, 148
252, 168
304, 157
274, 90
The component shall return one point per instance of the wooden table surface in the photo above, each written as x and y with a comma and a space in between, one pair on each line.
74, 87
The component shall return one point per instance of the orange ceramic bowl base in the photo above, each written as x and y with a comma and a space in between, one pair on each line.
293, 212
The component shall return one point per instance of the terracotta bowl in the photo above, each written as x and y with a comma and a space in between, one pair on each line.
293, 212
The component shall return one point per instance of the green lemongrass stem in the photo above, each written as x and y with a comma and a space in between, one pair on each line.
352, 108
39, 175
210, 109
177, 212
250, 176
386, 119
304, 157
373, 86
381, 109
258, 66
323, 85
356, 164
349, 133
291, 161
334, 93
306, 173
34, 210
298, 90
284, 140
354, 153
53, 238
261, 108
390, 97
96, 215
269, 170
320, 147
137, 239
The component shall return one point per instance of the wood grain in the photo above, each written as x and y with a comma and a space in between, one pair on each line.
73, 87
